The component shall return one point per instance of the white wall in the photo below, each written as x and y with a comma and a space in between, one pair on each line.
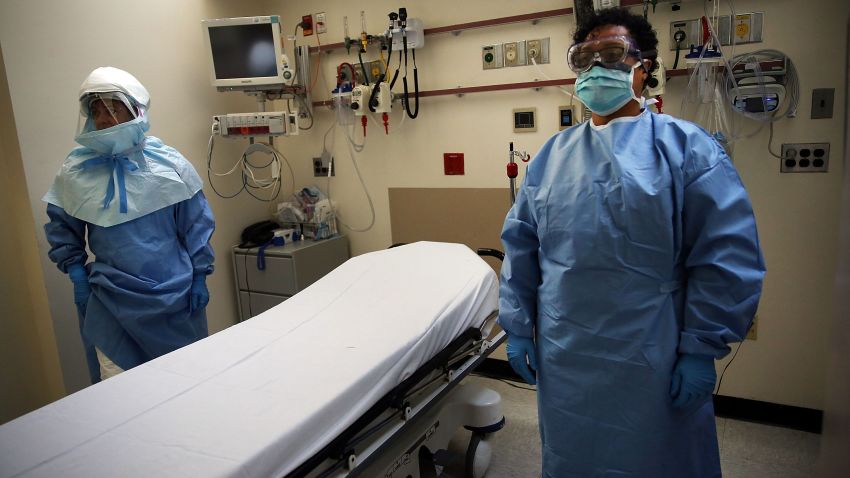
797, 214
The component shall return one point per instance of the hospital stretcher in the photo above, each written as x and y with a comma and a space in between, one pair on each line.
357, 375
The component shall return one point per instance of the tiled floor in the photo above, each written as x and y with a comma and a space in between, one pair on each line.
747, 450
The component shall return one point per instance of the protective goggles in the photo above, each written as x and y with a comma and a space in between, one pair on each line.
610, 52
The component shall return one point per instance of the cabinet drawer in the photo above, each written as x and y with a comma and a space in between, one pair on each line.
254, 304
277, 278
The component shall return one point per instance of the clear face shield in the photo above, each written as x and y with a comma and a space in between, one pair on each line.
104, 110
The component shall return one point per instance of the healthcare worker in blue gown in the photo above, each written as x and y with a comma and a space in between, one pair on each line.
138, 205
632, 261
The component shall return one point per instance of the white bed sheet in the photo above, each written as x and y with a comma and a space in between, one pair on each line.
264, 395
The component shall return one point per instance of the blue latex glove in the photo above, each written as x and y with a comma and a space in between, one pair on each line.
199, 296
80, 278
693, 380
522, 357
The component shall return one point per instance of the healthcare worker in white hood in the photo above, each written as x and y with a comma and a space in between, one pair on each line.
632, 261
138, 206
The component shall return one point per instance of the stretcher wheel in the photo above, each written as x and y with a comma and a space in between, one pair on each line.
478, 455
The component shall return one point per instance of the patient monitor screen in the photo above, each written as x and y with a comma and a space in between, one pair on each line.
243, 51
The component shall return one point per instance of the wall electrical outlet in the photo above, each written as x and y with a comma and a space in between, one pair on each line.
752, 334
491, 57
307, 25
321, 166
321, 26
805, 158
538, 50
515, 53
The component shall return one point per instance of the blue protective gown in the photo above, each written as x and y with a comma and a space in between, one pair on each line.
140, 278
628, 245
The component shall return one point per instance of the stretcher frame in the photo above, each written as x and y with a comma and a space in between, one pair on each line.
359, 447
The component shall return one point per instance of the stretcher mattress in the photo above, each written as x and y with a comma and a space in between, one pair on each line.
259, 398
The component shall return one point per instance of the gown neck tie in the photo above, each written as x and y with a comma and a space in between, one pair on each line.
117, 162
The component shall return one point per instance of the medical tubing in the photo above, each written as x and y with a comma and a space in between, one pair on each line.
544, 75
357, 147
792, 84
307, 109
318, 64
348, 130
353, 74
415, 112
712, 39
210, 172
249, 180
365, 190
288, 166
716, 9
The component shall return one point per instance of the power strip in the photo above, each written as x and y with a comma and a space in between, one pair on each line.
272, 123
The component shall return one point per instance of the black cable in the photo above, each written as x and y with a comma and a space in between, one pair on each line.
362, 67
395, 75
720, 382
415, 113
247, 187
246, 182
507, 382
248, 285
381, 78
678, 37
209, 175
245, 158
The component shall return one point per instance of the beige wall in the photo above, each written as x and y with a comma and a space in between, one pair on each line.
834, 462
49, 48
161, 44
797, 214
29, 368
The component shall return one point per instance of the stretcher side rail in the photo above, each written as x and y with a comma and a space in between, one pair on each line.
395, 399
454, 376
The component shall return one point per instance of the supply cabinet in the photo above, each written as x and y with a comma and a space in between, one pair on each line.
288, 269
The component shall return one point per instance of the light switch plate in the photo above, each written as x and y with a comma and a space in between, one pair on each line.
822, 99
